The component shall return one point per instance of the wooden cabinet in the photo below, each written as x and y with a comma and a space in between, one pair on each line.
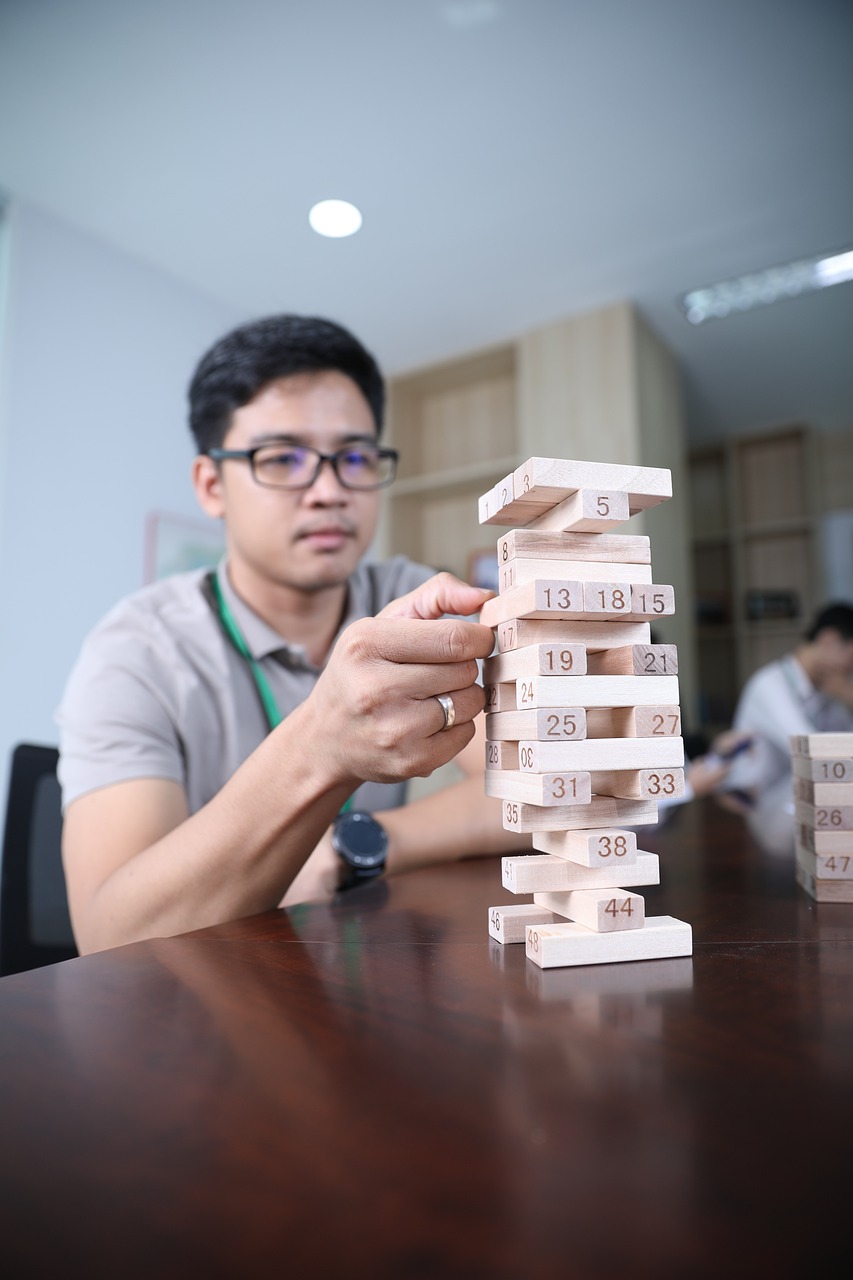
756, 564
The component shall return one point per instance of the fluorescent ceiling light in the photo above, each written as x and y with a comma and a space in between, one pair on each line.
762, 288
335, 218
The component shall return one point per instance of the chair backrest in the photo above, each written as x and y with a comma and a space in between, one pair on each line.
35, 928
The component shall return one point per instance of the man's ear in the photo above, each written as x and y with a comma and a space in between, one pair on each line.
207, 483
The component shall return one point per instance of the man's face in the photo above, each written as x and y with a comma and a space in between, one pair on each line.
306, 539
836, 652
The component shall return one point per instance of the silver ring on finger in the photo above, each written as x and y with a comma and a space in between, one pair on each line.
449, 709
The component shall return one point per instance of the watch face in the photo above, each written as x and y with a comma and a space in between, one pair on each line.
360, 839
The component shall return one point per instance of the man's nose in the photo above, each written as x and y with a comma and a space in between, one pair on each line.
326, 487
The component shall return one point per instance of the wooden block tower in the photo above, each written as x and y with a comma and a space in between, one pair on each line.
582, 715
823, 814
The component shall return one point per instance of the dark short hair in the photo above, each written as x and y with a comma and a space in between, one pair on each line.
247, 359
833, 617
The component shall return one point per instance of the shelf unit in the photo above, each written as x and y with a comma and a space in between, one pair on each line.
756, 562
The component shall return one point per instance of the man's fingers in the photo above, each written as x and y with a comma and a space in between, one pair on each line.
440, 595
405, 640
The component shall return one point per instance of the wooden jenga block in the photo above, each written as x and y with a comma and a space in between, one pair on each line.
597, 847
508, 924
823, 746
824, 890
824, 841
524, 569
499, 697
602, 811
517, 633
822, 770
588, 509
560, 945
823, 817
595, 691
637, 784
825, 866
601, 753
501, 755
656, 601
536, 659
561, 725
602, 910
547, 789
540, 545
635, 660
634, 722
564, 598
827, 794
540, 873
551, 480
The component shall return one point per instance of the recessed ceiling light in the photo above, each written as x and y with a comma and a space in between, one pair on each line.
335, 218
761, 288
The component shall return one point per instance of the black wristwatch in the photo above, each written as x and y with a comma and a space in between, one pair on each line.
361, 843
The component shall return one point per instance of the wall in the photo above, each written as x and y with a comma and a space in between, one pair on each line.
97, 349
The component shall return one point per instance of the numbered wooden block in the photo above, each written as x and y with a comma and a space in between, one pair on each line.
824, 817
595, 691
553, 598
823, 890
567, 724
594, 510
541, 873
610, 598
541, 545
601, 753
546, 789
656, 601
607, 847
634, 722
501, 755
823, 746
551, 480
536, 659
602, 910
822, 794
638, 784
825, 866
517, 633
602, 811
561, 945
822, 770
635, 660
499, 697
509, 924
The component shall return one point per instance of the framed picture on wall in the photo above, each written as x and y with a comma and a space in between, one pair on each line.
175, 543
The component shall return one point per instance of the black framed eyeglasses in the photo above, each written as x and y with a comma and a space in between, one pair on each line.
297, 466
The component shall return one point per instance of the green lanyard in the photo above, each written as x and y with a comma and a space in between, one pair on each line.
235, 635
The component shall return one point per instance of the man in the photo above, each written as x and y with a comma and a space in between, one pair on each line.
808, 691
216, 726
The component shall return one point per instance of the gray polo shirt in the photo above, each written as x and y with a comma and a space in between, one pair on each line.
159, 691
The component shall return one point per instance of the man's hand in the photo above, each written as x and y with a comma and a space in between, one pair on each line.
374, 714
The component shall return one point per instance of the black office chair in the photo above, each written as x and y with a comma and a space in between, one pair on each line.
35, 928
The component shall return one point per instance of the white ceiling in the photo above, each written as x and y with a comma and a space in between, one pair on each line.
516, 161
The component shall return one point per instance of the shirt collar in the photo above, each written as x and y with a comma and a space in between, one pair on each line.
264, 641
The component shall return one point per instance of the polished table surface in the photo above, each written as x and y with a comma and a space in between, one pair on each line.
376, 1088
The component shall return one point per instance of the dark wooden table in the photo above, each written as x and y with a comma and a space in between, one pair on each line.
377, 1089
